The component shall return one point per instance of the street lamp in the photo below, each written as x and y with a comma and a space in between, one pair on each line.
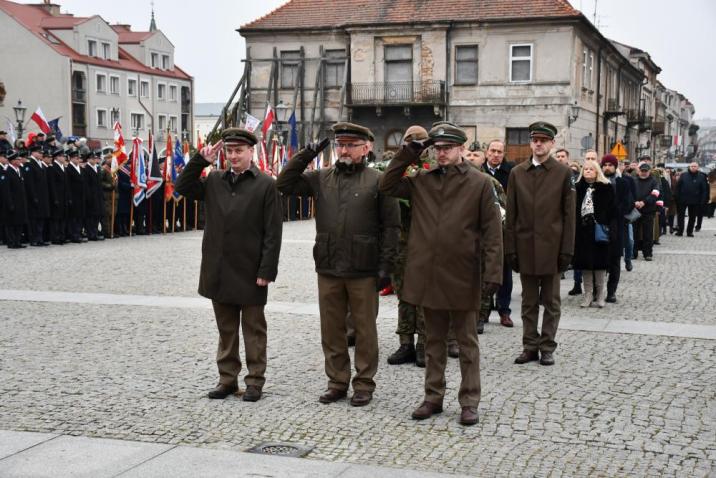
20, 118
573, 114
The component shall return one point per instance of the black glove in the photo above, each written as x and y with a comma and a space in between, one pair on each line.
512, 262
417, 147
383, 281
563, 262
315, 148
490, 288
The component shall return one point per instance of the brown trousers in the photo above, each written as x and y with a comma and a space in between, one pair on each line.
335, 295
437, 324
253, 325
546, 288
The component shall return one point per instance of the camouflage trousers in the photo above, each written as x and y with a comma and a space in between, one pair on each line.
485, 306
411, 321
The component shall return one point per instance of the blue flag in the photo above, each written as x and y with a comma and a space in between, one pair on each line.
178, 163
55, 127
293, 140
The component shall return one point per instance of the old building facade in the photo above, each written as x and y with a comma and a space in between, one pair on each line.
91, 74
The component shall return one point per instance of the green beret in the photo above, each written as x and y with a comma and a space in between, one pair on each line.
352, 130
542, 128
447, 132
238, 135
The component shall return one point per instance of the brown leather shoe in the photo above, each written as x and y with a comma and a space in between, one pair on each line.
332, 395
361, 398
527, 356
252, 394
222, 391
427, 410
469, 416
505, 320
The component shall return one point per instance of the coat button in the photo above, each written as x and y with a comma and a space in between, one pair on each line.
233, 194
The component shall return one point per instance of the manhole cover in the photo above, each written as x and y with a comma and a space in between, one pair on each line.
281, 449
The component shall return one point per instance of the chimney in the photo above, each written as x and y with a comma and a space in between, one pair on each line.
50, 8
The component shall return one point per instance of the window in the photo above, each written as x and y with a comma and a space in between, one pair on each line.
393, 140
172, 92
334, 68
101, 82
131, 87
161, 91
398, 63
466, 65
106, 51
114, 116
155, 60
144, 89
173, 124
518, 136
162, 122
289, 68
165, 62
137, 121
114, 85
92, 47
101, 118
587, 69
520, 63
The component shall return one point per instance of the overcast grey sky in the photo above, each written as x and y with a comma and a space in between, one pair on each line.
679, 35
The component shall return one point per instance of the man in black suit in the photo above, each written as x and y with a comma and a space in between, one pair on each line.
14, 200
75, 196
94, 196
498, 167
57, 186
38, 203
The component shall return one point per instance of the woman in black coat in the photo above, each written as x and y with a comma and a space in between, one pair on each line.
595, 205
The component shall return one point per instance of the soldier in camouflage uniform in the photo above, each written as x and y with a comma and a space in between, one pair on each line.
411, 320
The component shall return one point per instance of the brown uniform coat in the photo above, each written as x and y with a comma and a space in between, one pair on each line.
242, 233
454, 216
540, 216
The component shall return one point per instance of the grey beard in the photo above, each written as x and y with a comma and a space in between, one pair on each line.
346, 160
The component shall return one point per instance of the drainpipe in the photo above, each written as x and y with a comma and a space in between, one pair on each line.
599, 89
447, 71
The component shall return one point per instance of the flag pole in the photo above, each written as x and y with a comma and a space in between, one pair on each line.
111, 224
164, 223
131, 216
174, 215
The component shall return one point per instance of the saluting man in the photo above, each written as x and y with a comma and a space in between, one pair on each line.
539, 239
240, 249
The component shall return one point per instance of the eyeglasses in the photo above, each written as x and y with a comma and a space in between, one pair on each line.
444, 148
338, 145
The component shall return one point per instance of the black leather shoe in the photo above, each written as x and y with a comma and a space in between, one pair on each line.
252, 394
576, 290
332, 395
527, 356
351, 340
469, 416
404, 354
361, 398
453, 350
546, 358
420, 355
427, 410
648, 258
628, 265
611, 298
480, 327
222, 391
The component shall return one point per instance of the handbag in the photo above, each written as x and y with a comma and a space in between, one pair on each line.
601, 233
633, 216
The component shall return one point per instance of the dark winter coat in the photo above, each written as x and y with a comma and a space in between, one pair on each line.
94, 196
38, 202
502, 172
644, 191
76, 193
357, 227
589, 254
124, 186
242, 232
57, 186
624, 202
692, 189
14, 197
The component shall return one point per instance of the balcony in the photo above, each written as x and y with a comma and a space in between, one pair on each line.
79, 129
646, 123
79, 96
398, 93
665, 141
613, 106
658, 127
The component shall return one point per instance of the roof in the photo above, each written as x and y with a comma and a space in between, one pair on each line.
341, 13
638, 52
128, 36
39, 22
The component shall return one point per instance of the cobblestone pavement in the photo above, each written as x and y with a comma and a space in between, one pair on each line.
613, 405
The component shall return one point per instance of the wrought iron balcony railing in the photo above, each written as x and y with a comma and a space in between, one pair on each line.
78, 95
396, 93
